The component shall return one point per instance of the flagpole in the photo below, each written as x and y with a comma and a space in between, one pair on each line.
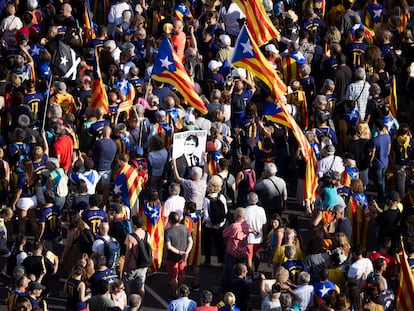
47, 101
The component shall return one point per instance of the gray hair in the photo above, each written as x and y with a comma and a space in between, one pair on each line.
32, 4
359, 74
328, 84
320, 99
339, 208
153, 100
304, 278
305, 69
140, 110
375, 89
252, 198
215, 94
270, 168
290, 251
174, 189
196, 172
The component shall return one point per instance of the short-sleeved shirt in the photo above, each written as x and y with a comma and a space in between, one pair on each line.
50, 217
94, 218
195, 191
178, 237
381, 145
104, 152
22, 184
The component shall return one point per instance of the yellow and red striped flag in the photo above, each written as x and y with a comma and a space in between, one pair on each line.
128, 184
193, 223
99, 95
258, 21
87, 22
405, 292
358, 214
168, 68
248, 55
153, 218
392, 100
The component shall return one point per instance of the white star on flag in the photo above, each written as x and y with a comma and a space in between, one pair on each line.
154, 213
247, 47
124, 84
355, 27
165, 62
117, 189
377, 13
63, 60
35, 50
324, 290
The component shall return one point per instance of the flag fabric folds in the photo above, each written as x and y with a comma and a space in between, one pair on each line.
128, 184
248, 55
392, 98
155, 231
405, 292
168, 68
87, 22
358, 214
66, 62
99, 95
258, 21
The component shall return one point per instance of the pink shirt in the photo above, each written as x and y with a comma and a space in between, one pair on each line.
236, 234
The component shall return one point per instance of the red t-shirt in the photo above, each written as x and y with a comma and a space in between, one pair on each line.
179, 41
63, 146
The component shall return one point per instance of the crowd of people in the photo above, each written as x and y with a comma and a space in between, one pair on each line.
103, 183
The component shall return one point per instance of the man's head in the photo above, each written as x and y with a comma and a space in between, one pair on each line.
190, 144
252, 198
196, 173
206, 297
360, 74
240, 270
135, 301
174, 189
173, 218
239, 214
103, 229
270, 168
184, 290
339, 212
95, 200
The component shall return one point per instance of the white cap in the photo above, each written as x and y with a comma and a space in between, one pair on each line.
225, 39
213, 65
271, 48
238, 73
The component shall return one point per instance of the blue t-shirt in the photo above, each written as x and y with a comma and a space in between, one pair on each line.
104, 152
49, 216
381, 145
94, 218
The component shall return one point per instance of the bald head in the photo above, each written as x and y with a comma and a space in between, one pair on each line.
104, 229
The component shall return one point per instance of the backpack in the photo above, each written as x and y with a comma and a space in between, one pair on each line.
112, 252
85, 240
226, 190
248, 177
144, 257
20, 154
62, 189
217, 210
372, 279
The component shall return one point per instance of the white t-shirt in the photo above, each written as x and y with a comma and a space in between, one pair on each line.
268, 305
176, 204
256, 218
230, 17
360, 269
305, 293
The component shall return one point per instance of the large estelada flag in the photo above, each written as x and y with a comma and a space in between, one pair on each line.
248, 55
66, 62
258, 21
99, 95
128, 184
87, 22
168, 68
405, 293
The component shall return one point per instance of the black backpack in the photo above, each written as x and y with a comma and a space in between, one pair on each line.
144, 257
226, 189
20, 154
217, 210
112, 252
85, 240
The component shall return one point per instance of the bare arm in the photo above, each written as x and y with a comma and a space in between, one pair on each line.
82, 292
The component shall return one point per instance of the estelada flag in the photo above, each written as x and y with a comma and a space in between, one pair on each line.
153, 218
248, 55
258, 21
358, 214
87, 22
128, 184
99, 95
193, 223
168, 68
405, 292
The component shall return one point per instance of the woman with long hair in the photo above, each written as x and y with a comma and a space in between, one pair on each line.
75, 290
25, 197
71, 253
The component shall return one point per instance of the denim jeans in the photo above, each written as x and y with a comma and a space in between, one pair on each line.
379, 180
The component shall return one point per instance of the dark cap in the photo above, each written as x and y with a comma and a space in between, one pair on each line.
393, 196
36, 285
